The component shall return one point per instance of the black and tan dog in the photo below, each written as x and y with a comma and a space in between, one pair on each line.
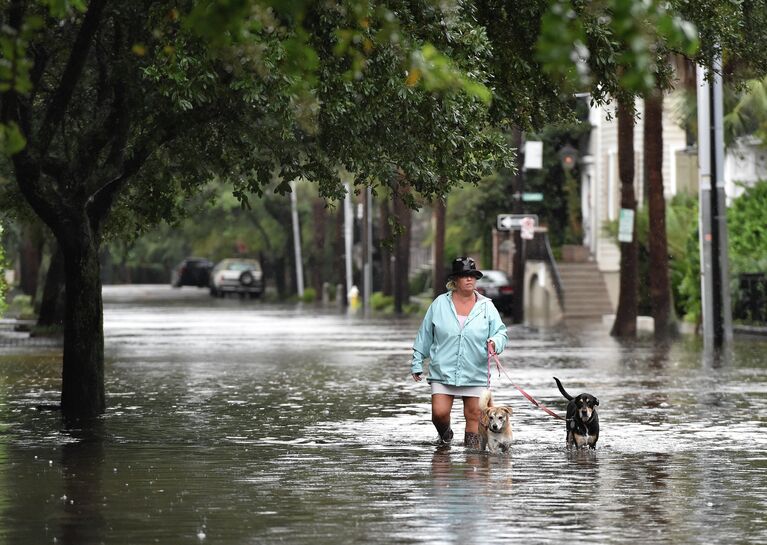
582, 420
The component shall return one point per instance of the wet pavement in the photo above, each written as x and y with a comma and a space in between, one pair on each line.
234, 421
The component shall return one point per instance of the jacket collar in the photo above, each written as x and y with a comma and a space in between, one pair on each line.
476, 309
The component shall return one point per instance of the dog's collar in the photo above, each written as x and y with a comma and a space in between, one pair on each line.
491, 430
487, 428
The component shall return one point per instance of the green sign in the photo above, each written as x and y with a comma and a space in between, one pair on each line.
626, 225
530, 197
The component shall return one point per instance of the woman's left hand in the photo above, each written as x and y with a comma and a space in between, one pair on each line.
491, 346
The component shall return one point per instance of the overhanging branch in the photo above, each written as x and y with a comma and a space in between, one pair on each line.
71, 75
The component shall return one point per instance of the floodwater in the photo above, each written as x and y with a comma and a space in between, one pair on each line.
239, 422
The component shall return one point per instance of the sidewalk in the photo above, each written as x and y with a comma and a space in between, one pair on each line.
738, 329
15, 333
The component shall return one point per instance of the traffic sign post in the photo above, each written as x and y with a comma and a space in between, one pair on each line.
528, 228
513, 222
532, 197
533, 155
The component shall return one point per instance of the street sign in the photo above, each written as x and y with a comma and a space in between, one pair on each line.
626, 225
533, 155
513, 222
532, 197
528, 228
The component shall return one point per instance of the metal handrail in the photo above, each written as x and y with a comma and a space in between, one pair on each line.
540, 249
551, 262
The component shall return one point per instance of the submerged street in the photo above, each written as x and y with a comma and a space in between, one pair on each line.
236, 421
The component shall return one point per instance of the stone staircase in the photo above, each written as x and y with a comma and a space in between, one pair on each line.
585, 293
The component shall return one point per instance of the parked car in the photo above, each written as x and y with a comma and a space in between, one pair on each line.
497, 286
235, 275
193, 271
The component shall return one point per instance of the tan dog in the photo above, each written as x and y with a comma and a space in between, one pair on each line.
494, 425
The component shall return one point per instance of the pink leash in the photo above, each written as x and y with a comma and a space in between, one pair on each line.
531, 399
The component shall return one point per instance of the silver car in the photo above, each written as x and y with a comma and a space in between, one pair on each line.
497, 286
235, 275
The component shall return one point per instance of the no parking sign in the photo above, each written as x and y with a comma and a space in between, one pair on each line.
527, 225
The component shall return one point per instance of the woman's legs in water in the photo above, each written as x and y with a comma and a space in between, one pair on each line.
471, 413
441, 405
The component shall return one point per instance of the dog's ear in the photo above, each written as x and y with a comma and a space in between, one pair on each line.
596, 401
508, 410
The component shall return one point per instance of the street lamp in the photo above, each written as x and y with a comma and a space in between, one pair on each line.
568, 155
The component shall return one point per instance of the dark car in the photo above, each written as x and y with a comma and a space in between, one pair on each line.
497, 286
193, 271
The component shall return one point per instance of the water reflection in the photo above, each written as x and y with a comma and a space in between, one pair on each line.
82, 520
465, 495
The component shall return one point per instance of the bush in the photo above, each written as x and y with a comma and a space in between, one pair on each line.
381, 302
747, 233
420, 282
309, 296
21, 308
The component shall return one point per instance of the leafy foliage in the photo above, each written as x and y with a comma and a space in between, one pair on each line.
614, 44
747, 111
748, 230
748, 253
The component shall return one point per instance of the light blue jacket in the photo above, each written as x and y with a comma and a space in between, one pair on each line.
458, 356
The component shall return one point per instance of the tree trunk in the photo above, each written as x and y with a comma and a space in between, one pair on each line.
281, 273
386, 250
438, 258
340, 253
82, 387
626, 315
402, 255
318, 250
31, 257
53, 301
660, 288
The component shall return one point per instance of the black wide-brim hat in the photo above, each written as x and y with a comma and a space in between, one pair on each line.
465, 266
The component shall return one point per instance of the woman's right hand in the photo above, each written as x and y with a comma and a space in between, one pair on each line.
417, 377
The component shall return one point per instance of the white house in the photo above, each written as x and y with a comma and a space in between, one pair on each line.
745, 162
600, 183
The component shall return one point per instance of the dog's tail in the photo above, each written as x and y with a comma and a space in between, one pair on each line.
486, 400
562, 389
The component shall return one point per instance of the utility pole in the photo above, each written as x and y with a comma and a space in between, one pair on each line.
518, 262
296, 240
714, 261
367, 249
348, 236
531, 153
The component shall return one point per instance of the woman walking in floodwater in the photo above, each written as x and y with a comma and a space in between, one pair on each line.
459, 328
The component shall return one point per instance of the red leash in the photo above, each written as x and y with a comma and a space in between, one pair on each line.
530, 398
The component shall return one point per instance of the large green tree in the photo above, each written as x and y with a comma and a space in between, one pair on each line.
113, 110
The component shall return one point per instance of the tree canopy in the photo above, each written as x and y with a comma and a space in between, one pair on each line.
115, 113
